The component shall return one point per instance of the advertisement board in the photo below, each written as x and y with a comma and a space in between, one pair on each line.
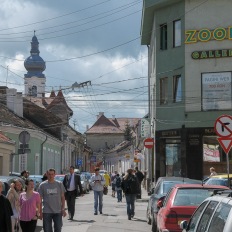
216, 91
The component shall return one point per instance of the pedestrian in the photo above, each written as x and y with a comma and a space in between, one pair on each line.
212, 171
53, 202
29, 202
108, 181
118, 188
71, 183
112, 181
140, 178
5, 212
13, 194
130, 186
44, 177
97, 182
24, 175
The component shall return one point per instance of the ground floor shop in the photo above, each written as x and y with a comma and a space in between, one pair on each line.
189, 152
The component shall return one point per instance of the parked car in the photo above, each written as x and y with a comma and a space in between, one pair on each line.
85, 183
219, 180
37, 180
162, 186
213, 215
7, 180
180, 203
60, 177
88, 176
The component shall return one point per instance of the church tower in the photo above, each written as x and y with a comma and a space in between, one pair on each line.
34, 80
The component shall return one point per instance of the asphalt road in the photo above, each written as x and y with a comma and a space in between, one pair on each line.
113, 219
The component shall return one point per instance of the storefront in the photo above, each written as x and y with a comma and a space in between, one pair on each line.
189, 152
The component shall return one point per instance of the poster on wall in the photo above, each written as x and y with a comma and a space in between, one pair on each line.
172, 161
216, 91
211, 154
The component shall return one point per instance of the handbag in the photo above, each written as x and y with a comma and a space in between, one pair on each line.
105, 190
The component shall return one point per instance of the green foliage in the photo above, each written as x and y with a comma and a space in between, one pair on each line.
128, 132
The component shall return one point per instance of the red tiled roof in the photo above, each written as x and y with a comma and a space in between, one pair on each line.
105, 125
3, 138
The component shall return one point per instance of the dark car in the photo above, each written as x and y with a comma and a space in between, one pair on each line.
7, 180
162, 186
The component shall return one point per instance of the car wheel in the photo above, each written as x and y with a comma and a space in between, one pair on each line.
153, 225
148, 218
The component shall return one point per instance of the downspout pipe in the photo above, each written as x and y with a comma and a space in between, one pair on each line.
41, 165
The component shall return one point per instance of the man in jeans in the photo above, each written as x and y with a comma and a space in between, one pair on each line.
97, 182
53, 202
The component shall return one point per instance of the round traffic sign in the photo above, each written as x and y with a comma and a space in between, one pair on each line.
149, 143
223, 126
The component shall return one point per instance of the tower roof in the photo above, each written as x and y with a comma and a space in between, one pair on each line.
34, 64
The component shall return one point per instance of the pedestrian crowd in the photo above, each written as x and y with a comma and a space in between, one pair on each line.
22, 206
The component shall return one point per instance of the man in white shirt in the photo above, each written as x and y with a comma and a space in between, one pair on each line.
71, 183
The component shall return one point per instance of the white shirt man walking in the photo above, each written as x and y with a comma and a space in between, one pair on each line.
97, 182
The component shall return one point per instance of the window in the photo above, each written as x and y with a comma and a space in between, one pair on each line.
177, 89
206, 216
163, 90
163, 37
220, 217
177, 33
194, 219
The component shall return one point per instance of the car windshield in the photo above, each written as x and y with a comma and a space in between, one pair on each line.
215, 181
193, 197
59, 178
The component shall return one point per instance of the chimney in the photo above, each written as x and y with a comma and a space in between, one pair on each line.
113, 117
100, 114
87, 127
14, 101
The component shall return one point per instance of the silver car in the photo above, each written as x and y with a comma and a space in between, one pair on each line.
213, 215
85, 183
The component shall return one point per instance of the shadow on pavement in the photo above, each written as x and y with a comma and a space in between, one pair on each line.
84, 221
139, 220
112, 215
38, 228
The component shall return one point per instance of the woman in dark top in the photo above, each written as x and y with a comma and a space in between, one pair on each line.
5, 212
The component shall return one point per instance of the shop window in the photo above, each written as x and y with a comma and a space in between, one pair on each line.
177, 33
177, 88
163, 90
173, 160
163, 36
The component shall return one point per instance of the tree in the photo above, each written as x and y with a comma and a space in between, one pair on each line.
128, 132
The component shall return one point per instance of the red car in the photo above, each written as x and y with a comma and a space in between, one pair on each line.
180, 203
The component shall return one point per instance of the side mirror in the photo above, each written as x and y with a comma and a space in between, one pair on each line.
183, 225
159, 204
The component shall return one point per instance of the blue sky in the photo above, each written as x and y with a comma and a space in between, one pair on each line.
80, 41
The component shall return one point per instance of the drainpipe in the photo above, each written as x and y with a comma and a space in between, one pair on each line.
41, 165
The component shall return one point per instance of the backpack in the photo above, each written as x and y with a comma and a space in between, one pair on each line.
118, 182
132, 185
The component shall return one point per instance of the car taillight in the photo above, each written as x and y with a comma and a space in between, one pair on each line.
171, 217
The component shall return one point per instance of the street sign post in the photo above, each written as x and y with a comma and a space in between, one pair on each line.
149, 143
223, 128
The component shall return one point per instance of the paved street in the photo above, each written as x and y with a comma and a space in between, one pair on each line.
113, 219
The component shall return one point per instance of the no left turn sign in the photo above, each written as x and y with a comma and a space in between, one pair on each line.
223, 126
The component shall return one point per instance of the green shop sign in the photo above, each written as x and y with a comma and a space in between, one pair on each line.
204, 35
212, 54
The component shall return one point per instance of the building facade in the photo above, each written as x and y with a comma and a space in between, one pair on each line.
189, 57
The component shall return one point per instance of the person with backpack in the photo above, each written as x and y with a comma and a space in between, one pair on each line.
118, 188
130, 186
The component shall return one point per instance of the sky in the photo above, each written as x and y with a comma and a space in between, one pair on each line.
97, 42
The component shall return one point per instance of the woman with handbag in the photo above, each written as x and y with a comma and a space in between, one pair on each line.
13, 194
29, 202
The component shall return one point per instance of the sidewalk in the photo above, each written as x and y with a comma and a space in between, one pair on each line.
145, 197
